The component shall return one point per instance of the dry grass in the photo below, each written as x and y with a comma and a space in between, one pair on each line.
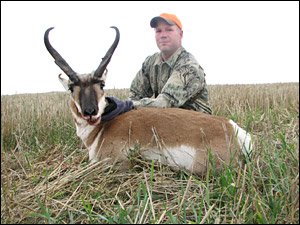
45, 177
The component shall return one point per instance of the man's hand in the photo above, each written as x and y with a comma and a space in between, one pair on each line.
114, 108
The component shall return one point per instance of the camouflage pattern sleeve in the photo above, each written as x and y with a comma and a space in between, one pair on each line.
141, 89
140, 86
160, 102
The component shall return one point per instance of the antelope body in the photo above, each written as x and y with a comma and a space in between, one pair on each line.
178, 137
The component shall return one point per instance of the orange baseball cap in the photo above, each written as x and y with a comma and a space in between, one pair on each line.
169, 18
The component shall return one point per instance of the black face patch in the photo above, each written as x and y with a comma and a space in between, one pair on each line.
89, 96
87, 92
88, 101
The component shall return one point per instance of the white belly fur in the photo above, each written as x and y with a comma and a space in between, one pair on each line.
182, 156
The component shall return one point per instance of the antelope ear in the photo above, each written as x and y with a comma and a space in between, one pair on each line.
64, 82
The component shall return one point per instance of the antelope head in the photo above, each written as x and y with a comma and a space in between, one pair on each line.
86, 89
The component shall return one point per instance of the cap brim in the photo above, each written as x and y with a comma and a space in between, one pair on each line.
153, 22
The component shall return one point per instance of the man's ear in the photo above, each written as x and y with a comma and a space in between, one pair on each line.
64, 82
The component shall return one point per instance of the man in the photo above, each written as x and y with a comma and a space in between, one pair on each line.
172, 76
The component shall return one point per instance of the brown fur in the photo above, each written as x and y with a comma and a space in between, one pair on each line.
174, 127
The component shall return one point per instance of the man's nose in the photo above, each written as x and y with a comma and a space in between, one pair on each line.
163, 34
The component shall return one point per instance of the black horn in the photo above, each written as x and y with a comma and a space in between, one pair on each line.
59, 60
101, 68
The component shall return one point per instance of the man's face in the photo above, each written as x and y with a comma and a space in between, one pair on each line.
168, 38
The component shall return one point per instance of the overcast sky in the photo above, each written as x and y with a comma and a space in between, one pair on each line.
235, 42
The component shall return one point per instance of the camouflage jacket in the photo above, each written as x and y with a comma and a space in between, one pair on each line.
178, 82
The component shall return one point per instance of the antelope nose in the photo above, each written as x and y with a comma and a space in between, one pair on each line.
89, 112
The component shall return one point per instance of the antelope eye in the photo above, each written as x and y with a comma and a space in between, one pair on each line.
102, 85
71, 89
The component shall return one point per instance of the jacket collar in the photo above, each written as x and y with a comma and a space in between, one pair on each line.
172, 60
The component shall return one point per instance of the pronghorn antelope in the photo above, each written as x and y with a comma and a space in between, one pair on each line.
178, 137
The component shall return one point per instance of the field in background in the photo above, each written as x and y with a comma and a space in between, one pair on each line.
45, 177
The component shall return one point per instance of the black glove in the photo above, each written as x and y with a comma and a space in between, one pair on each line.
115, 108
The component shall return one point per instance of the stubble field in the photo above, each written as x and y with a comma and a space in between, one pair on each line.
46, 177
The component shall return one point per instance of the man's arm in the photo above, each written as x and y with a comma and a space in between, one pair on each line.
184, 83
140, 86
160, 102
141, 90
